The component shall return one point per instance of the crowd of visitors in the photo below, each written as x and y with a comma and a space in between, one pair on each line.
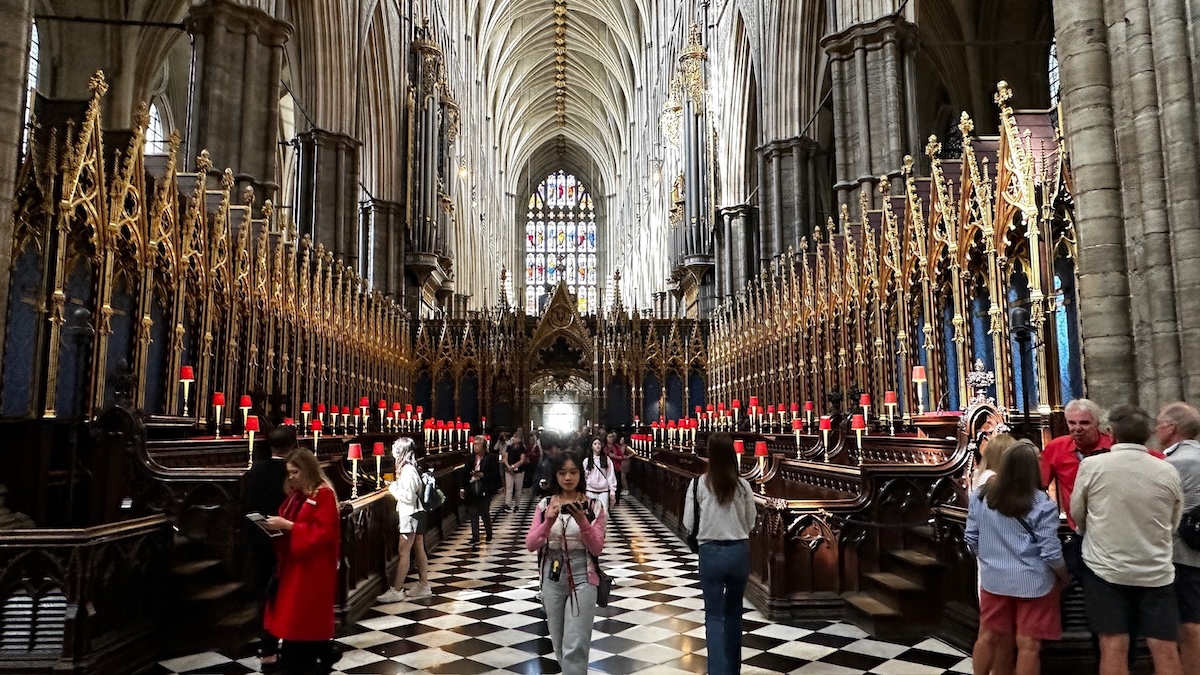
1123, 505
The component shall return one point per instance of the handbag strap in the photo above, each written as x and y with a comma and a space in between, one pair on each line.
1028, 528
695, 506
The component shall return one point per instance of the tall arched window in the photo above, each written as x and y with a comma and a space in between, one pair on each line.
156, 137
1052, 70
560, 243
31, 80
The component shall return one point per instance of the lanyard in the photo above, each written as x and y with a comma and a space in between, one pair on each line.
566, 553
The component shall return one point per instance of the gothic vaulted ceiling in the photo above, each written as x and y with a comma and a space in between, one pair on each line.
560, 77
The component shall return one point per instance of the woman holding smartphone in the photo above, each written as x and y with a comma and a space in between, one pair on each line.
568, 530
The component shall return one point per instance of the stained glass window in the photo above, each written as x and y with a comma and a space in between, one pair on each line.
31, 78
560, 243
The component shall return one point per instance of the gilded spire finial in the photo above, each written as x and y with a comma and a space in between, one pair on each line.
97, 84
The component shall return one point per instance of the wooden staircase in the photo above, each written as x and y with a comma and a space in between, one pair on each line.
904, 598
215, 610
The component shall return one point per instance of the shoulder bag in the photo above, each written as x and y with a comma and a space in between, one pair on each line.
692, 542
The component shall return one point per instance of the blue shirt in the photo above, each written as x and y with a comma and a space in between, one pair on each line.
1013, 562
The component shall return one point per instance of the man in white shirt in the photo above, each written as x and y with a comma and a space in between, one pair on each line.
1127, 506
1177, 429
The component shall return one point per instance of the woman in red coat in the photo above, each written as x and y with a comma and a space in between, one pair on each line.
301, 613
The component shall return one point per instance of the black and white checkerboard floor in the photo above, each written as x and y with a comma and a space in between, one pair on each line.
484, 618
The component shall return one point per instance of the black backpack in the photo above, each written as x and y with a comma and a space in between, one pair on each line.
1189, 528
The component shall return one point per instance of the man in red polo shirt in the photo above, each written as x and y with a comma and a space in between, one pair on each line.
1061, 456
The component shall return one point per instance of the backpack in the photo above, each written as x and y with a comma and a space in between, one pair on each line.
1189, 528
431, 496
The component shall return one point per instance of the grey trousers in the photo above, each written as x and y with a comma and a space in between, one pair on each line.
570, 622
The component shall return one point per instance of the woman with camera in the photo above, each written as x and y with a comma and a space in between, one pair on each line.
568, 531
413, 520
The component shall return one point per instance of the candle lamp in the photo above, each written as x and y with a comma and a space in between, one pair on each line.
396, 408
244, 404
420, 413
251, 427
865, 401
316, 429
186, 377
218, 401
382, 413
770, 417
364, 412
305, 411
761, 454
826, 426
890, 401
354, 453
334, 412
358, 414
919, 379
859, 424
699, 412
809, 407
408, 416
321, 412
377, 450
797, 427
739, 447
737, 406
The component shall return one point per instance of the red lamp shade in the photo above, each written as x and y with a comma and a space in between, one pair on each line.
377, 450
364, 402
289, 421
795, 407
428, 424
770, 410
826, 423
306, 407
321, 408
753, 401
809, 406
186, 374
358, 411
889, 398
720, 406
459, 425
354, 451
245, 401
699, 410
407, 407
218, 398
858, 422
382, 404
760, 449
918, 373
252, 423
334, 410
739, 447
396, 407
865, 399
736, 404
709, 408
797, 424
671, 424
420, 410
316, 425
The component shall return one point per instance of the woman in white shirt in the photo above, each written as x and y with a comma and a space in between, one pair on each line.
600, 475
568, 529
727, 515
413, 520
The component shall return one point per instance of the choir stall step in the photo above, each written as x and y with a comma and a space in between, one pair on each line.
872, 615
917, 567
906, 596
218, 592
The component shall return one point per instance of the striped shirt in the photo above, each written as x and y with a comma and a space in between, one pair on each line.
1012, 561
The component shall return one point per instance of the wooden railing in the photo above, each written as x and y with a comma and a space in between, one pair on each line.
87, 600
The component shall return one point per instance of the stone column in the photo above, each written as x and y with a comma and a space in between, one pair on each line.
790, 192
327, 205
234, 110
14, 50
383, 227
872, 99
1087, 89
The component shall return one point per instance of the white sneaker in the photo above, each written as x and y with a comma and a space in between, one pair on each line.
392, 595
420, 591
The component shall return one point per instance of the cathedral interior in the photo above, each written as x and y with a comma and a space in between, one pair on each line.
855, 234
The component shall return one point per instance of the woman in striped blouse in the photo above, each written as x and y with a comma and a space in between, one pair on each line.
1012, 527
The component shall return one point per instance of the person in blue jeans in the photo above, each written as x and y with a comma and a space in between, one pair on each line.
727, 516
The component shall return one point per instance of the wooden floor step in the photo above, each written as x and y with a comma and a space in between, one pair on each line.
895, 582
194, 567
871, 606
915, 558
218, 592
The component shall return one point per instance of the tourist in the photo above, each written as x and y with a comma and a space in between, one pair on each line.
600, 479
512, 461
616, 454
1127, 506
264, 493
727, 515
1177, 429
413, 521
478, 478
568, 533
990, 456
1012, 527
301, 613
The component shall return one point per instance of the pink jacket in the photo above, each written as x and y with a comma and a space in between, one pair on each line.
592, 534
